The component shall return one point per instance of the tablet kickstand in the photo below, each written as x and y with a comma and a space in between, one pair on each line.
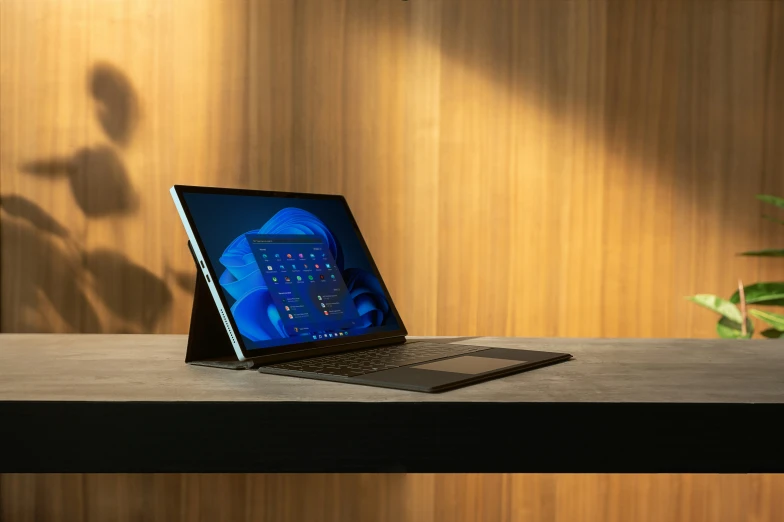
208, 342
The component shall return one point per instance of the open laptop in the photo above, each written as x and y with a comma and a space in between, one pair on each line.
300, 295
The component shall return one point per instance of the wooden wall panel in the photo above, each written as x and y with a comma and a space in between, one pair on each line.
519, 168
530, 168
392, 498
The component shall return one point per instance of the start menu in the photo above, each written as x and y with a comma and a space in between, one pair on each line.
306, 286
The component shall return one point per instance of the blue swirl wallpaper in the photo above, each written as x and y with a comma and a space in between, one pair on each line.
328, 288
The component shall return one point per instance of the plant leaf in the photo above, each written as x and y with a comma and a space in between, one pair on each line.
773, 200
772, 252
763, 293
729, 329
772, 333
775, 220
775, 320
718, 305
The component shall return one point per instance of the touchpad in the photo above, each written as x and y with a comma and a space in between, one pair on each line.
468, 364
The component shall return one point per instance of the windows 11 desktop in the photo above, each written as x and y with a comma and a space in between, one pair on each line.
292, 269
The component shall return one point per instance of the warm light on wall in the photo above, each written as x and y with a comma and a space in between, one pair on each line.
529, 131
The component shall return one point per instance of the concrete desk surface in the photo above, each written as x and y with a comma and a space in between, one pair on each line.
130, 403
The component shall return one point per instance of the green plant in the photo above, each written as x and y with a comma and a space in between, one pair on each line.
735, 322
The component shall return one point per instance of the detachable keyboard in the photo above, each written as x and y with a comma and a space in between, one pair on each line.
351, 364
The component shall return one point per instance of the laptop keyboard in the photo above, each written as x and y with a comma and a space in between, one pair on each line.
351, 364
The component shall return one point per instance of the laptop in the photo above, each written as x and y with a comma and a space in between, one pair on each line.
300, 295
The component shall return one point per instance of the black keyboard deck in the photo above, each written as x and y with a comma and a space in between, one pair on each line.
351, 364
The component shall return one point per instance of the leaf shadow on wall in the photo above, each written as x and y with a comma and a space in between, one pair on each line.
117, 106
184, 279
53, 263
46, 274
97, 175
49, 264
127, 289
98, 180
24, 209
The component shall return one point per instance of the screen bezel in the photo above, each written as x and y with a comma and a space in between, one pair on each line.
305, 346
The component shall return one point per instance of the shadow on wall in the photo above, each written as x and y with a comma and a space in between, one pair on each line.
98, 178
687, 89
117, 107
665, 84
53, 272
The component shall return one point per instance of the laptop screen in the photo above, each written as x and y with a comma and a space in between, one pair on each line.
291, 269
